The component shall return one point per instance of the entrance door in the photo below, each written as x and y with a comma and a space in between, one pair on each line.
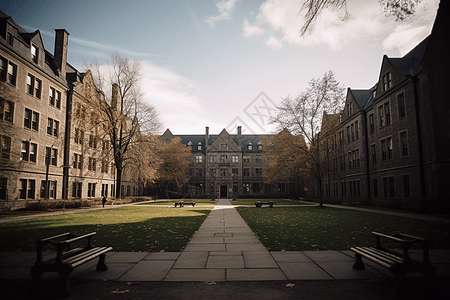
223, 191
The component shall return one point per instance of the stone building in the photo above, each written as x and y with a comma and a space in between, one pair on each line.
230, 166
393, 139
41, 140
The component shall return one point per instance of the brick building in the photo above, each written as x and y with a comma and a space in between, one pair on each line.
392, 140
43, 136
230, 166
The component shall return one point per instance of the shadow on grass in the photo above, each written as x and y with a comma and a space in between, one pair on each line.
125, 229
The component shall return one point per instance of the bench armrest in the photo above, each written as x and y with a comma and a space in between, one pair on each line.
405, 242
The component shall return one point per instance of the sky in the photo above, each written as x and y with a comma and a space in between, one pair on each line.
225, 63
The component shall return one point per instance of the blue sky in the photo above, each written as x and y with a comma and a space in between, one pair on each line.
225, 63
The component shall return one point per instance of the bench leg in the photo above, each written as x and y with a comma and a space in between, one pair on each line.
36, 275
101, 265
399, 283
358, 264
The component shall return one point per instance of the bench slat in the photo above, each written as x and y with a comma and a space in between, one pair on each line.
373, 257
386, 255
89, 253
97, 254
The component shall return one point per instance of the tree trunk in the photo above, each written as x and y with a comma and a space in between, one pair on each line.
119, 183
320, 193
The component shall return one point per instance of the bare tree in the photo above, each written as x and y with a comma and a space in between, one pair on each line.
303, 115
398, 10
123, 114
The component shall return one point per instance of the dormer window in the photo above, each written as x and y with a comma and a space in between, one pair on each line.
259, 146
250, 146
199, 146
9, 38
386, 81
34, 53
189, 143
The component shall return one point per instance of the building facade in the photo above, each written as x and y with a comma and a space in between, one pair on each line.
230, 166
48, 151
392, 140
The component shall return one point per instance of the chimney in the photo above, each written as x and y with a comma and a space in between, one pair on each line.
60, 55
207, 137
239, 136
115, 95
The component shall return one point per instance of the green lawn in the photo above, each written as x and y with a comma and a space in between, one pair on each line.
135, 228
275, 202
172, 201
312, 228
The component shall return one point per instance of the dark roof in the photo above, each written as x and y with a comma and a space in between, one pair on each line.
245, 138
410, 62
361, 97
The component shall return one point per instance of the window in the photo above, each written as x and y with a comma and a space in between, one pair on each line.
374, 154
348, 134
388, 187
250, 146
224, 158
91, 189
31, 119
12, 73
258, 158
27, 188
223, 147
235, 187
77, 161
212, 172
246, 171
387, 113
235, 171
105, 165
51, 96
52, 189
259, 146
258, 172
92, 141
198, 159
371, 124
235, 158
79, 136
30, 84
6, 110
58, 99
246, 158
34, 53
10, 38
191, 172
34, 86
406, 186
386, 148
381, 116
5, 146
3, 185
92, 164
51, 156
52, 127
375, 188
357, 158
387, 81
401, 105
3, 68
403, 143
200, 172
212, 158
223, 172
77, 189
356, 130
353, 132
199, 146
104, 190
29, 151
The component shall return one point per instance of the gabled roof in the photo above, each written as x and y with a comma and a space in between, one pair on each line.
410, 62
361, 97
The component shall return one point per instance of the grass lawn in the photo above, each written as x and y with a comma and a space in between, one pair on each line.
312, 228
172, 201
275, 202
135, 228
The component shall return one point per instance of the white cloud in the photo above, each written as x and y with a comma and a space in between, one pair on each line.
250, 30
282, 20
177, 99
225, 9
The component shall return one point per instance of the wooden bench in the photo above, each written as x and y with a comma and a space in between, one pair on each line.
67, 258
260, 204
182, 204
397, 263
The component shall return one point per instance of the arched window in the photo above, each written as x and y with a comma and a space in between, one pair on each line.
199, 146
259, 146
250, 146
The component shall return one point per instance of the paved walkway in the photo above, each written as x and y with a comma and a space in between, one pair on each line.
223, 249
